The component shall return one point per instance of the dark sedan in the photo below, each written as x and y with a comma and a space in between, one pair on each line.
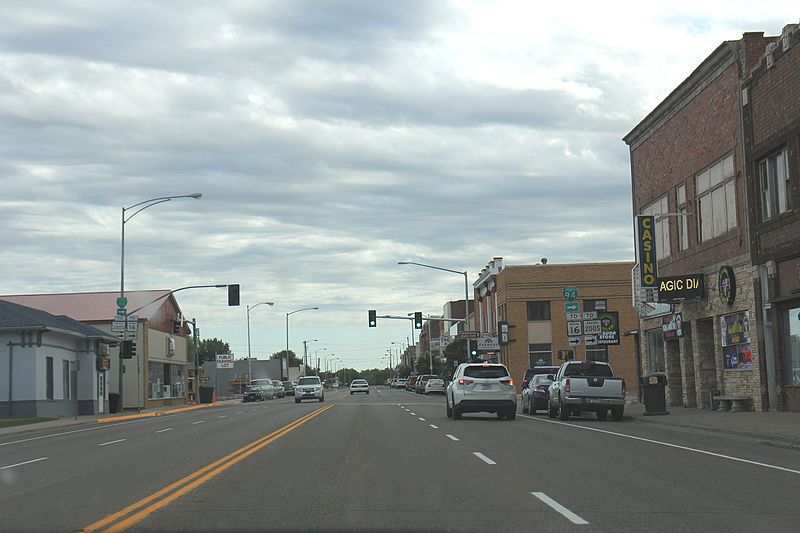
537, 394
288, 388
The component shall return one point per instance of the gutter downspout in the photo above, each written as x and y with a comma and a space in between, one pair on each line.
10, 379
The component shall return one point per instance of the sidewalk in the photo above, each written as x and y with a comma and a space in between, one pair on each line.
779, 428
66, 422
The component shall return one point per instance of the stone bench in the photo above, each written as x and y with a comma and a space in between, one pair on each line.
735, 404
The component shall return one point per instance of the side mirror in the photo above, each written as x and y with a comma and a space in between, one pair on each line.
524, 383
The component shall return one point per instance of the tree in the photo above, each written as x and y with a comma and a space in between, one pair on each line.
454, 353
207, 349
292, 357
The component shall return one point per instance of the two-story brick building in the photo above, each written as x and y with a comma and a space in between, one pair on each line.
688, 170
531, 299
771, 115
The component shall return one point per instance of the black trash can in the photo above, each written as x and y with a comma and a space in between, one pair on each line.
654, 391
114, 403
206, 394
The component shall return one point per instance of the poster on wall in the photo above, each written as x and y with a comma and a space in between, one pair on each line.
738, 357
672, 326
735, 328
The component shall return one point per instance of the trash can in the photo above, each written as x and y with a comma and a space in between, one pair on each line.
654, 391
113, 403
206, 394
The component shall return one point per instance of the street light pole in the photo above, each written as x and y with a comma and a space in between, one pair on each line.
286, 354
466, 290
249, 366
305, 354
316, 354
121, 301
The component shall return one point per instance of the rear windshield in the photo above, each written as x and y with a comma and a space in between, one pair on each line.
485, 372
359, 382
588, 369
541, 380
308, 381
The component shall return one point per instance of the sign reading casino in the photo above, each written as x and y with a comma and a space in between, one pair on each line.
646, 243
677, 288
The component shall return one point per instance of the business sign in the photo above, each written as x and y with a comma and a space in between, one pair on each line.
502, 330
677, 288
435, 343
646, 247
224, 360
488, 344
609, 327
672, 326
735, 328
726, 284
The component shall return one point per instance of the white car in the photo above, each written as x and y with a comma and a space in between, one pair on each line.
400, 383
359, 385
309, 388
434, 385
481, 387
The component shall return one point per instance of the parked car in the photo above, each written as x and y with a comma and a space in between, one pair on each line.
309, 388
529, 373
288, 388
280, 391
537, 395
411, 382
586, 386
481, 387
434, 385
419, 386
400, 383
359, 385
253, 393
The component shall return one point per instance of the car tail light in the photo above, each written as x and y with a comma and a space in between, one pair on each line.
623, 387
542, 389
566, 386
509, 382
524, 383
465, 382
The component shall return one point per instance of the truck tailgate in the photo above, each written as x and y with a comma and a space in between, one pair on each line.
595, 387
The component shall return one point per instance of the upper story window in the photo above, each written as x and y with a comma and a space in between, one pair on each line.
659, 207
773, 173
716, 198
683, 218
538, 311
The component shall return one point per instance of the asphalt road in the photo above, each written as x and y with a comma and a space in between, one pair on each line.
390, 461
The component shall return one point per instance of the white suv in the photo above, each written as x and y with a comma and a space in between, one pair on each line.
481, 387
308, 388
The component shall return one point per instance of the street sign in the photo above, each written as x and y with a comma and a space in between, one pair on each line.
571, 307
574, 328
590, 340
121, 303
574, 341
488, 344
469, 335
117, 326
570, 293
592, 327
590, 315
132, 326
224, 360
573, 316
122, 317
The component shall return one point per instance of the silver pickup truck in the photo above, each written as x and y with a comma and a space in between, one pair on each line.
586, 386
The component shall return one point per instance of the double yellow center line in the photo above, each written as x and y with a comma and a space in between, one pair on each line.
140, 510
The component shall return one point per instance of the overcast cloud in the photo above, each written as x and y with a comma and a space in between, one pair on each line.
330, 140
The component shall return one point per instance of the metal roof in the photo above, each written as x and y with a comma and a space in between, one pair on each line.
18, 317
92, 306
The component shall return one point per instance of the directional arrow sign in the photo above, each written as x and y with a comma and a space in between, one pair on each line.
571, 307
590, 340
574, 341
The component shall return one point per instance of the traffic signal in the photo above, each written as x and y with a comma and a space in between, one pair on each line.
418, 320
176, 327
233, 294
373, 320
127, 350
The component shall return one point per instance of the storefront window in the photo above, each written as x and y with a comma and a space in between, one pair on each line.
165, 380
737, 354
793, 348
655, 350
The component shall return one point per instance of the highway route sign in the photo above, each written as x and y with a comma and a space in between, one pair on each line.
570, 293
573, 316
592, 327
574, 328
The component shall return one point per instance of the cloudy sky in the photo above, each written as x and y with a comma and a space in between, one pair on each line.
330, 140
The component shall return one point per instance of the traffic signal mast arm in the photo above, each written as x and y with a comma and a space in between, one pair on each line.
435, 318
173, 292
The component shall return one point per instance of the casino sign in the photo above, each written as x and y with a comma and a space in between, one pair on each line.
678, 288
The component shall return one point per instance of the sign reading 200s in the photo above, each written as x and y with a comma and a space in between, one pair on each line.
646, 243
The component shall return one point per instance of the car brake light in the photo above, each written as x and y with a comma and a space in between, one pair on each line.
465, 382
566, 386
509, 382
543, 389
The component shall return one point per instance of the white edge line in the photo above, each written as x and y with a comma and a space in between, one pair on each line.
670, 445
434, 427
483, 458
24, 463
165, 429
566, 513
449, 436
112, 442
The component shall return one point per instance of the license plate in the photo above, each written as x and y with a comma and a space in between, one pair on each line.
486, 386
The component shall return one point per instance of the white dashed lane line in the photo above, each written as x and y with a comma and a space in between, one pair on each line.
434, 427
566, 513
483, 458
223, 416
112, 442
449, 436
23, 463
422, 419
165, 429
198, 422
413, 414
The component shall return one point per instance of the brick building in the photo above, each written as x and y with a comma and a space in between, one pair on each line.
531, 299
771, 113
687, 170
